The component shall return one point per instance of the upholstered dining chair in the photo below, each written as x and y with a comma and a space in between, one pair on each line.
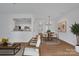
33, 51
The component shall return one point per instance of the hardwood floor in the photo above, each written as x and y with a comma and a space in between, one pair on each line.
60, 49
50, 48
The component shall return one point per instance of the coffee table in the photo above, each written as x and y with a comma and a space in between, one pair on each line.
10, 49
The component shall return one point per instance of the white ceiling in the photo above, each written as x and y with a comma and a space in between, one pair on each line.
46, 9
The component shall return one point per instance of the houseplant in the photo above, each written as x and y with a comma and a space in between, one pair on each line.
75, 30
48, 30
5, 41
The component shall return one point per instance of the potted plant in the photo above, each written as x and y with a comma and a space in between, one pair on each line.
75, 30
5, 41
48, 30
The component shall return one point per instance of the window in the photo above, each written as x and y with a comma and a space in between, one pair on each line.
22, 24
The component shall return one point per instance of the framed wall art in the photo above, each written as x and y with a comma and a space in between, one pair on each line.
62, 26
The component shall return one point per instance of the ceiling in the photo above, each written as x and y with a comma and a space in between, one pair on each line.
40, 9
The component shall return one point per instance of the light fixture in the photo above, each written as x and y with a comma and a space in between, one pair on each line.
48, 22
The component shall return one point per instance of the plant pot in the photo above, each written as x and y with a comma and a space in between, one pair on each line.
77, 48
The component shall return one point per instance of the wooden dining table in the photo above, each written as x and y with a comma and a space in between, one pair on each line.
48, 36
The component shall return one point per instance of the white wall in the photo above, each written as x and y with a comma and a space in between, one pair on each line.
7, 26
43, 20
71, 17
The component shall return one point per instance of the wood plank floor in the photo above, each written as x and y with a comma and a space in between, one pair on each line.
60, 49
